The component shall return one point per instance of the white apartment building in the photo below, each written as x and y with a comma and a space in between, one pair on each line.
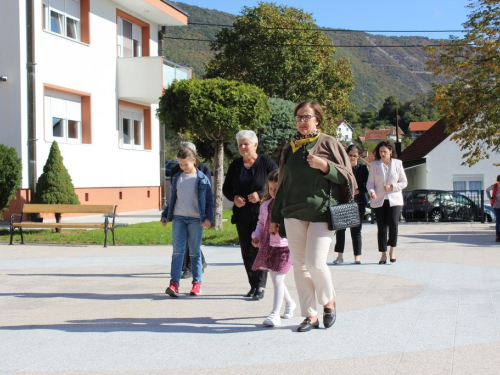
87, 73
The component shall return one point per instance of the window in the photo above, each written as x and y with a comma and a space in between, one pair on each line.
475, 185
62, 17
131, 128
64, 117
129, 39
459, 185
468, 182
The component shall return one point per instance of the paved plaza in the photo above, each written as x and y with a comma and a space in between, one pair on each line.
85, 309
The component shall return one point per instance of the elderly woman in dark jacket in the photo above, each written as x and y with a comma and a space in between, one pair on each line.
244, 184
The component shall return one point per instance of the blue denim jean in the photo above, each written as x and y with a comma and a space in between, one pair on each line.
497, 224
190, 229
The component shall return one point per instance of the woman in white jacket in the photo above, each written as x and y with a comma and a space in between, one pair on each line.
386, 180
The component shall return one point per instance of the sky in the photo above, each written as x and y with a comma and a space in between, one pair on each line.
376, 15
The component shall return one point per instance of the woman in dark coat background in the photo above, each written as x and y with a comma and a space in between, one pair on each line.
244, 184
361, 173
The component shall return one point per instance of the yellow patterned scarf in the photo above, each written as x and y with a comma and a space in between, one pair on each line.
299, 140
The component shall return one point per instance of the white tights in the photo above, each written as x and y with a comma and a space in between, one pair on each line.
280, 290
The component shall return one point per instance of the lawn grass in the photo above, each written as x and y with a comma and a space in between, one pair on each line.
136, 234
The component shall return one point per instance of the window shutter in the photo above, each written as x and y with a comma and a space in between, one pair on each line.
127, 39
73, 8
73, 110
57, 5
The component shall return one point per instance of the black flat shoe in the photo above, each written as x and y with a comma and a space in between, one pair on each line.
306, 325
329, 316
250, 293
259, 293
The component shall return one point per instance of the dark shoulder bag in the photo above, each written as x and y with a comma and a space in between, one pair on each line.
344, 215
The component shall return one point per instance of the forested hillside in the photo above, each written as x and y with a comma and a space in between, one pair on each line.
379, 71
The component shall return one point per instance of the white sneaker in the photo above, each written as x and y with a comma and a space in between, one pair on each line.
289, 308
272, 320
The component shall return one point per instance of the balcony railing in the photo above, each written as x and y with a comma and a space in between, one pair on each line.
173, 71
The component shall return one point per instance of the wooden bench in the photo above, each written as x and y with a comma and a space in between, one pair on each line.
109, 212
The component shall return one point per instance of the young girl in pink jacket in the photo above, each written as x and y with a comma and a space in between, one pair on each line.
273, 255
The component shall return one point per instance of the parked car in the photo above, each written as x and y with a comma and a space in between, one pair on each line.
369, 215
440, 205
169, 164
489, 214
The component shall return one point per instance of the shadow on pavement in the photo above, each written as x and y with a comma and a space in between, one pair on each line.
193, 325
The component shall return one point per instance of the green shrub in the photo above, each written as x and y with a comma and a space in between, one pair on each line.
10, 176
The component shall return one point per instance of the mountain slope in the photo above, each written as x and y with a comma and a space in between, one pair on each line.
379, 71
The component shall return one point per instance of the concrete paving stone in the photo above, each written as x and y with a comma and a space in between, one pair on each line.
84, 309
437, 362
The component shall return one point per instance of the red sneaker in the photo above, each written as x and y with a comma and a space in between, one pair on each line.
173, 289
196, 289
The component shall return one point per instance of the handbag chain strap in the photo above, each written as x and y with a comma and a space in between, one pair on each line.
351, 197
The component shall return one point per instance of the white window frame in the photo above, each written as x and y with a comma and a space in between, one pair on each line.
66, 107
136, 36
62, 8
136, 118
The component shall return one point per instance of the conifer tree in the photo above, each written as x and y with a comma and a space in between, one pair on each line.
54, 185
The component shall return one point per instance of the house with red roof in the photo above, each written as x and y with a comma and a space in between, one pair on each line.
378, 135
434, 161
417, 128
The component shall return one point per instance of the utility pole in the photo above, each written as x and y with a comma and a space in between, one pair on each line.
398, 142
31, 92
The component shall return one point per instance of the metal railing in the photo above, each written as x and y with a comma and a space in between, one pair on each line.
444, 205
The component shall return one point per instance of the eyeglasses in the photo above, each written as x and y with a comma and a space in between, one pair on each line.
303, 118
353, 156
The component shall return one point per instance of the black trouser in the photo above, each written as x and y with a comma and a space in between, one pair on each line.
355, 235
249, 253
387, 216
186, 266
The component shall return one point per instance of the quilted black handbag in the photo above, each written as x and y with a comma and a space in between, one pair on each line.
344, 215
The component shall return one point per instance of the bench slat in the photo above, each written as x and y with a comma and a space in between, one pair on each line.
58, 225
30, 208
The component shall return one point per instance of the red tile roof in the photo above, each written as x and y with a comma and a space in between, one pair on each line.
421, 126
381, 134
426, 142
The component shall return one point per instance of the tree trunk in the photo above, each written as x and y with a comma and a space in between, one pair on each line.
218, 181
58, 220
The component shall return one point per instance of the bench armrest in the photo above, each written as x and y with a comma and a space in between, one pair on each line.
12, 218
109, 216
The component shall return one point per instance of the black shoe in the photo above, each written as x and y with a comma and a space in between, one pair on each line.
259, 293
187, 274
250, 293
383, 261
329, 316
393, 260
306, 325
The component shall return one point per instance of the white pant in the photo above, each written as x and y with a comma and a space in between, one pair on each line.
309, 245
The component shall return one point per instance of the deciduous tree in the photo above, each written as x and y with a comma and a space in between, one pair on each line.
214, 109
279, 129
280, 49
10, 175
470, 103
